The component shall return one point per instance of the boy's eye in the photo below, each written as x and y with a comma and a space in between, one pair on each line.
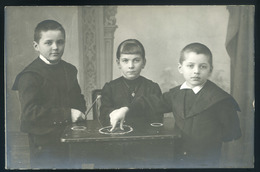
60, 42
137, 60
125, 60
203, 67
190, 65
48, 42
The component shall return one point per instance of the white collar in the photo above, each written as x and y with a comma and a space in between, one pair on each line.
195, 89
45, 60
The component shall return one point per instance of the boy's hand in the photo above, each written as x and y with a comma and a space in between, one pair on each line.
76, 115
116, 116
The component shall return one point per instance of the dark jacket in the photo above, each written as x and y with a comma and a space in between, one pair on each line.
211, 120
47, 93
115, 94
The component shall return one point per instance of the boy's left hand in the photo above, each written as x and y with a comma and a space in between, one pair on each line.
77, 115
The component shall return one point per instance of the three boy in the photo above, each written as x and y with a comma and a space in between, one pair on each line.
51, 98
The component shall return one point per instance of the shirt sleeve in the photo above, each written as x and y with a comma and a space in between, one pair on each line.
106, 105
158, 104
229, 120
156, 90
37, 118
77, 100
153, 115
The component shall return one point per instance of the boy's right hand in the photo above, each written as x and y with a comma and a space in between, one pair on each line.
116, 116
76, 115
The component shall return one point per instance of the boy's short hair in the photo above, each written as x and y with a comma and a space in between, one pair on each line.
45, 26
130, 46
196, 48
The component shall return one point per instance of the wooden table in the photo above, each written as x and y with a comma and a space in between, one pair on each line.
149, 147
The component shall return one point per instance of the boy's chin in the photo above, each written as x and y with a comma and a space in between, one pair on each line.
131, 78
54, 61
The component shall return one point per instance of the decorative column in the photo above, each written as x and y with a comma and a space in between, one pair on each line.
87, 33
109, 30
96, 31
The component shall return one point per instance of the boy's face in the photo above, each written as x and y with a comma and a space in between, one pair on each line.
195, 69
131, 65
51, 45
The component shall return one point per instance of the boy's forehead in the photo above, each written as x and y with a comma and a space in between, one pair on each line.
51, 33
129, 56
196, 57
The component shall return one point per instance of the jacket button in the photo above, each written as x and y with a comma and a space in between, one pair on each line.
54, 123
184, 153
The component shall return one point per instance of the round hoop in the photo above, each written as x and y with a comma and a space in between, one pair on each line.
78, 128
118, 131
156, 124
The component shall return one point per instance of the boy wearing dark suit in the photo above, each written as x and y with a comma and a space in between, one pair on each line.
50, 97
125, 89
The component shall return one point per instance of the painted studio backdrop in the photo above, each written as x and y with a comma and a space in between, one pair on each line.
93, 34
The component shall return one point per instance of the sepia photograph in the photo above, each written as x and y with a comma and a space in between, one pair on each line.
129, 87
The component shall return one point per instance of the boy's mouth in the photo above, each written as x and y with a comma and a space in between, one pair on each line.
55, 54
195, 78
131, 72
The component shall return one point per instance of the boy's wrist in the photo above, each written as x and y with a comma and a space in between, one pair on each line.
125, 109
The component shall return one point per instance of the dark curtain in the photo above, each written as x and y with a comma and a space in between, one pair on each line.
240, 47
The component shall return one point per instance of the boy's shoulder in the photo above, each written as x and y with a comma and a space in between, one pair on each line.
115, 81
68, 65
34, 67
210, 91
216, 94
209, 95
147, 81
174, 89
210, 87
37, 66
214, 89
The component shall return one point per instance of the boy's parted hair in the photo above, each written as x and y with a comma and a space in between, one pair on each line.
45, 26
130, 46
196, 48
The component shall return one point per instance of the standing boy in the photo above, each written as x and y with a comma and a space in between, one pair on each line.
125, 89
50, 97
205, 114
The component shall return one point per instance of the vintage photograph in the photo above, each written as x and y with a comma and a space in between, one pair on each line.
129, 87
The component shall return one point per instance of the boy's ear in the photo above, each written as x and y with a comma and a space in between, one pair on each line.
118, 63
210, 72
144, 63
180, 68
35, 46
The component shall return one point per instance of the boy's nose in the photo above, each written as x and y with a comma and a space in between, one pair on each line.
54, 46
196, 70
131, 64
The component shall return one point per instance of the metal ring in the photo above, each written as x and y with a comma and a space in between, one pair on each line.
156, 124
78, 128
111, 133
